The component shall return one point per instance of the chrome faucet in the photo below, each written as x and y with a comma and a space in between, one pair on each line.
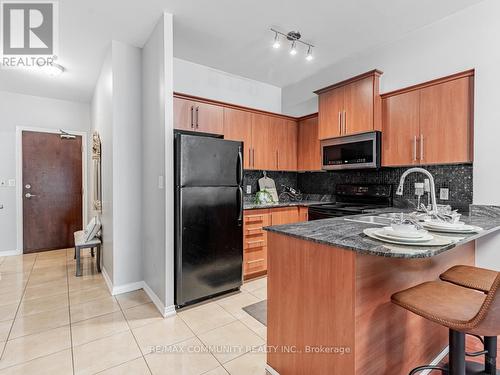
399, 191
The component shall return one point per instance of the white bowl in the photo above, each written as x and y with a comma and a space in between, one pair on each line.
404, 228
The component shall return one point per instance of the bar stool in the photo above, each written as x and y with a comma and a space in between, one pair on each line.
470, 277
462, 311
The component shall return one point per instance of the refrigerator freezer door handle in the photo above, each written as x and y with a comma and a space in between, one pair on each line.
240, 166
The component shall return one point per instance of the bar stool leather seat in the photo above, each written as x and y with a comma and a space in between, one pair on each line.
470, 277
463, 311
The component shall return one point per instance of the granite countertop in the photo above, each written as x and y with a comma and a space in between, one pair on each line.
306, 203
344, 234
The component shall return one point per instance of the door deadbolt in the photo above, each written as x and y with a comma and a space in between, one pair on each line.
27, 186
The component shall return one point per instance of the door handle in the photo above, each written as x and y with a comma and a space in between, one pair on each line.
253, 157
277, 160
29, 195
345, 122
340, 123
197, 117
240, 210
421, 147
240, 166
192, 117
415, 148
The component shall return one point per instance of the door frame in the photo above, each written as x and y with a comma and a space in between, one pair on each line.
19, 177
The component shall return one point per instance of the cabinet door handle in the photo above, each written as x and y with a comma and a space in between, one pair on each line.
345, 122
340, 123
197, 117
192, 117
415, 148
277, 160
253, 157
421, 147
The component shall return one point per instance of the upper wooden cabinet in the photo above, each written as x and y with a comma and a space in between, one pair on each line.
430, 123
350, 107
308, 145
238, 127
284, 142
263, 155
198, 116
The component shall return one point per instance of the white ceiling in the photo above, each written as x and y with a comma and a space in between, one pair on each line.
230, 35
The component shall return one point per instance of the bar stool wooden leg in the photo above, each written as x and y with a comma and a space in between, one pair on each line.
98, 259
457, 353
92, 252
490, 344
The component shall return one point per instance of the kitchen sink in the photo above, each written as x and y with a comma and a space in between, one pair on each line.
372, 219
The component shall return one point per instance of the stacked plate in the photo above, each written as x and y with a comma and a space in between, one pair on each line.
407, 236
416, 238
444, 227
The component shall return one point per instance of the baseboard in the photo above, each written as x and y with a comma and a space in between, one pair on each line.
166, 311
272, 371
9, 253
127, 288
437, 360
107, 280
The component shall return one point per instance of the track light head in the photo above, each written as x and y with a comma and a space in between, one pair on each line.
293, 49
309, 55
276, 43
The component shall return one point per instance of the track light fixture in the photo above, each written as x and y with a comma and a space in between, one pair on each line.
294, 38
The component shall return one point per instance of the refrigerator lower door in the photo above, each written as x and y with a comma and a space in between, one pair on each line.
209, 243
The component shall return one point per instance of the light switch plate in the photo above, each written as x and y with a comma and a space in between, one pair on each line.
12, 182
249, 189
161, 184
444, 194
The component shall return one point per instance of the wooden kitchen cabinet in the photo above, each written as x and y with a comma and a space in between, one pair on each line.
401, 126
430, 123
350, 107
330, 112
284, 142
263, 150
308, 145
198, 116
284, 215
445, 122
303, 214
238, 127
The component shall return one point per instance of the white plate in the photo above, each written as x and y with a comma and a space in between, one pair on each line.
460, 230
383, 233
442, 224
415, 234
436, 241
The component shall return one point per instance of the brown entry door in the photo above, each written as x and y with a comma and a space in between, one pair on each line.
52, 191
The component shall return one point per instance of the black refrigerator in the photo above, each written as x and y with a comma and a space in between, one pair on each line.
208, 217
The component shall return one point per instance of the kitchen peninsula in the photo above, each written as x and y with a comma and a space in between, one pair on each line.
329, 289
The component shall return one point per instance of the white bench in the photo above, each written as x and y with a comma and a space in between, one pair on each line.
81, 244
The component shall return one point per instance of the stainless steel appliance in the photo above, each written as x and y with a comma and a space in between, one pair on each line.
352, 152
353, 200
208, 217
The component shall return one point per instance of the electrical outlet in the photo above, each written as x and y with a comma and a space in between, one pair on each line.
161, 184
444, 194
12, 182
249, 189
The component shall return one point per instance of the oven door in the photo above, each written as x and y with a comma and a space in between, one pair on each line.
352, 152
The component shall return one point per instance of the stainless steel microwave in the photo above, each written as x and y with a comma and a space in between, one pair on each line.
352, 152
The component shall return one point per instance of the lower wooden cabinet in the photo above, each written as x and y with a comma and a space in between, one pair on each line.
255, 237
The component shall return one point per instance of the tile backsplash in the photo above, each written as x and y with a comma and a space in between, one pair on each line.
457, 178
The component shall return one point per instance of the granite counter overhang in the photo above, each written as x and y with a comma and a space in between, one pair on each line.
254, 206
340, 233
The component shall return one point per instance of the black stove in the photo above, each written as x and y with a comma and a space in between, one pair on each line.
353, 200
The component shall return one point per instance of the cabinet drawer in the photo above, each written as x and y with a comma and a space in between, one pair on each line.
255, 260
255, 219
252, 243
254, 231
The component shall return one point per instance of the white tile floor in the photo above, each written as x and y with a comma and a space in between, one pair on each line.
52, 322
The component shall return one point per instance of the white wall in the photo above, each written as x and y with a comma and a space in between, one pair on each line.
468, 39
30, 111
206, 82
127, 163
116, 115
157, 159
102, 121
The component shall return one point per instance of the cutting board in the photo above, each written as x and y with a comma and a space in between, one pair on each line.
266, 183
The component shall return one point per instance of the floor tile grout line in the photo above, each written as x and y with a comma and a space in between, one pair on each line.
132, 332
17, 310
70, 323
